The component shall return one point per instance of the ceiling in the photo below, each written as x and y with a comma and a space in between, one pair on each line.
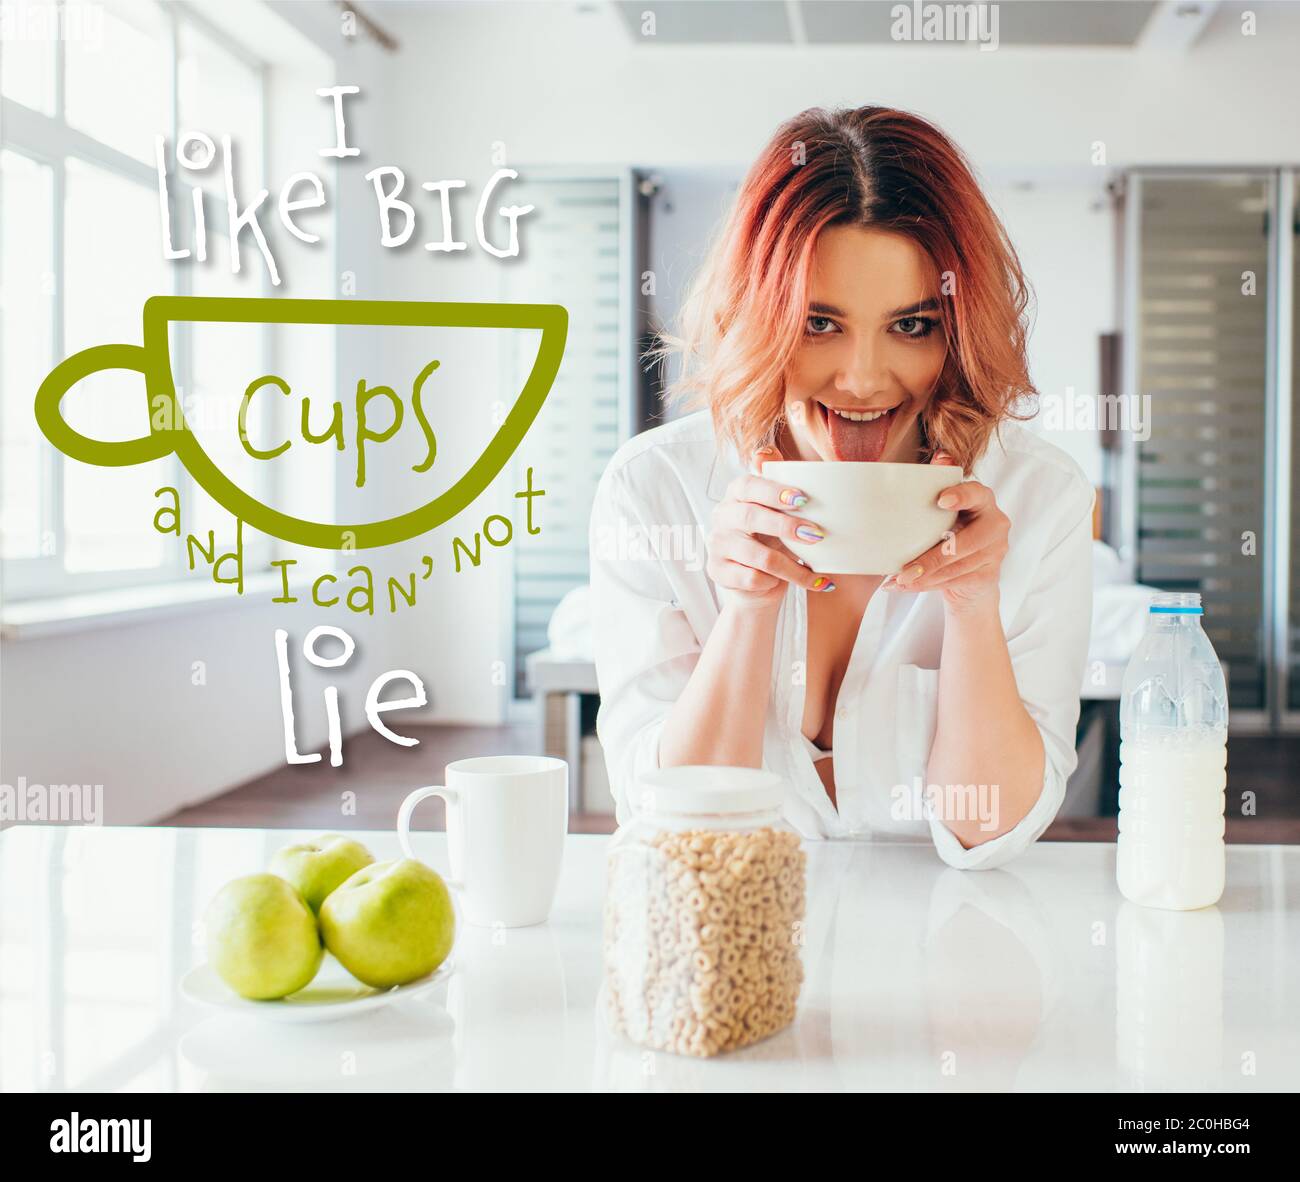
1113, 23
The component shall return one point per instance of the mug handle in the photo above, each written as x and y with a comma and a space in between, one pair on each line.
65, 375
450, 795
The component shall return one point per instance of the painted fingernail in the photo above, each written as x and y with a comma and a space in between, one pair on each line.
822, 583
911, 575
793, 497
947, 501
809, 534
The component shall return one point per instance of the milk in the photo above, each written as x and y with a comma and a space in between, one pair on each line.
1171, 818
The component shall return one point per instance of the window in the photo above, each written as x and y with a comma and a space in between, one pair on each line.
27, 53
1211, 490
26, 263
117, 77
1202, 355
103, 508
1287, 574
577, 255
80, 252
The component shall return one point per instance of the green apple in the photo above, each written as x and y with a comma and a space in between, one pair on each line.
390, 923
262, 937
316, 867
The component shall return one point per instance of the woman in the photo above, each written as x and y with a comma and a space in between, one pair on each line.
861, 304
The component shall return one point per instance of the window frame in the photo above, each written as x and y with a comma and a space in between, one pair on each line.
517, 705
50, 141
1272, 717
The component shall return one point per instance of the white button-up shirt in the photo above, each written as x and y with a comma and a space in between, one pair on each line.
653, 607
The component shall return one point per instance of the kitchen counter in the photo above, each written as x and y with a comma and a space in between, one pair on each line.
1037, 976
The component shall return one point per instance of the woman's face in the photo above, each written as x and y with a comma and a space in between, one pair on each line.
873, 342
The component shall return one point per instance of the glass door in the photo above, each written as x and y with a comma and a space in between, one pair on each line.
1287, 583
1207, 489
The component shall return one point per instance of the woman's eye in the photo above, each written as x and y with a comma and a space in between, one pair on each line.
915, 326
814, 321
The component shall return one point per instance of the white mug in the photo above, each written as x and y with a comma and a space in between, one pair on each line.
507, 816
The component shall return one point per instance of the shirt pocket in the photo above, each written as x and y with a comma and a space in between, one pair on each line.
917, 716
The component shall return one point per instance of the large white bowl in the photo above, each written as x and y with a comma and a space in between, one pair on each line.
875, 517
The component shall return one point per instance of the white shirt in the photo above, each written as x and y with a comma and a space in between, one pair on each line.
653, 607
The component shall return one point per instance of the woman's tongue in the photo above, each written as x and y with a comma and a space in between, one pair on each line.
864, 442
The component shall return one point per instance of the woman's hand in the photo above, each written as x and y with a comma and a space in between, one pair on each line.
967, 565
748, 558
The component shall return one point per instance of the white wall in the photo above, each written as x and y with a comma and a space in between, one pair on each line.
1062, 230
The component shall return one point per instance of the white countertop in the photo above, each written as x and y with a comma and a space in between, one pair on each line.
1037, 976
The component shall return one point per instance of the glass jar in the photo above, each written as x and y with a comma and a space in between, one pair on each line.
704, 911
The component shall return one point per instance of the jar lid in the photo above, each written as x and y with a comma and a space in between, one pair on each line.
708, 789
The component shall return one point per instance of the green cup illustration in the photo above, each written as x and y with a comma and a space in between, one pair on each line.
153, 361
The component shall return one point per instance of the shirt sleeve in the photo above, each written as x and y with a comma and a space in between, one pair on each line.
1048, 644
644, 646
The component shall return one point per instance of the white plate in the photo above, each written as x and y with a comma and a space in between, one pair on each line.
334, 993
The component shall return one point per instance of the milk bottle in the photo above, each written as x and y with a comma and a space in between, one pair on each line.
1173, 752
